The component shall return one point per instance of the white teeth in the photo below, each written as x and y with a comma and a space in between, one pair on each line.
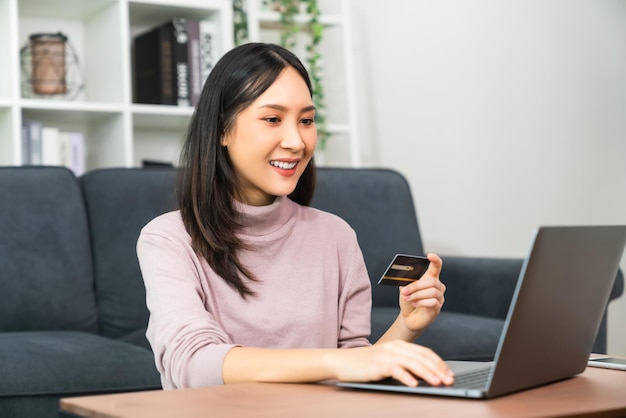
283, 165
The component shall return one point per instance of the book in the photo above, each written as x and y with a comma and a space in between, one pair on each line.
31, 142
72, 150
180, 40
147, 71
209, 48
154, 68
25, 145
193, 57
161, 57
50, 146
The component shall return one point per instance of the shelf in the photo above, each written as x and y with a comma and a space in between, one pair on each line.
167, 117
147, 15
69, 115
189, 4
93, 36
117, 132
336, 50
68, 105
63, 9
272, 19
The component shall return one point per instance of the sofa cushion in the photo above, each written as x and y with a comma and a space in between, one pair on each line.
120, 201
39, 368
46, 280
137, 337
63, 362
453, 336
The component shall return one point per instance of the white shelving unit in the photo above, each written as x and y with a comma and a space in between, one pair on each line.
343, 147
117, 132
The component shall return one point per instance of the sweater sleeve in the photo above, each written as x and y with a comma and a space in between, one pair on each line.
188, 343
355, 304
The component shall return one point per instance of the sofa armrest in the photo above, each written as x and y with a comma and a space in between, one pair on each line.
479, 285
485, 286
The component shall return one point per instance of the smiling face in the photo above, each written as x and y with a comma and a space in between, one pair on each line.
272, 140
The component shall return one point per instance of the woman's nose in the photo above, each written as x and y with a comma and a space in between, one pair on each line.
292, 139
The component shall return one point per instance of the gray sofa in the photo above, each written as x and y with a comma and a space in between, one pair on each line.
72, 303
72, 312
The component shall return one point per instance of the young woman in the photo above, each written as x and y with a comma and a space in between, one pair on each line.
246, 282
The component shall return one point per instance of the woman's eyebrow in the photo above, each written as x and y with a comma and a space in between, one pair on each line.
284, 108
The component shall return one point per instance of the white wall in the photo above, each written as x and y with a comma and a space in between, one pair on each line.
504, 115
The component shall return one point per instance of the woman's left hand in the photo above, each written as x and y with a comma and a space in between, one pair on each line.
421, 301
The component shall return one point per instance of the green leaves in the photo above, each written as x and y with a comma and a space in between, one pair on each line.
289, 10
290, 27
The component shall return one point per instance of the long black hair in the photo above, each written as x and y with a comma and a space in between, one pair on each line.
207, 181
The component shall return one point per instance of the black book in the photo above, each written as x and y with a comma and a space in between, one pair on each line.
155, 81
209, 48
180, 41
193, 57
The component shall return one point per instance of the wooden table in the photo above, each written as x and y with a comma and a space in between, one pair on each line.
596, 392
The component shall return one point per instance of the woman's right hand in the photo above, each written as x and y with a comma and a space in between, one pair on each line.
401, 360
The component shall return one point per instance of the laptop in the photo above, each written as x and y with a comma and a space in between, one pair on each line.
553, 319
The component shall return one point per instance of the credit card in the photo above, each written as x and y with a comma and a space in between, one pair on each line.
404, 269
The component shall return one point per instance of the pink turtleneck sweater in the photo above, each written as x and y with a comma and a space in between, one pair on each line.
312, 291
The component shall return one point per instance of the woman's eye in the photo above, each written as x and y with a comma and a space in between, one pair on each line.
308, 121
272, 119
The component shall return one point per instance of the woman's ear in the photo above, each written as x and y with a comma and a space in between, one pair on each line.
227, 136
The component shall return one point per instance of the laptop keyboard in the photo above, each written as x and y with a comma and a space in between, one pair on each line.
475, 379
472, 379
